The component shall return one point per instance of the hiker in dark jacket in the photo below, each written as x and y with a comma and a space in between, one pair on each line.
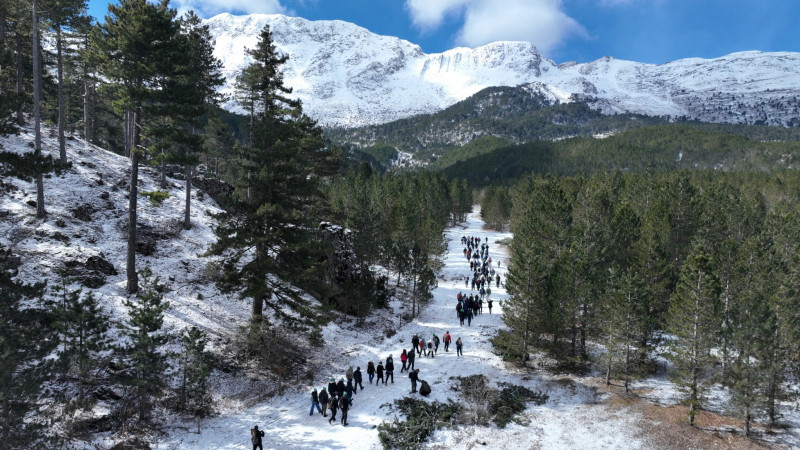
340, 387
344, 406
415, 342
430, 349
314, 402
332, 387
380, 371
255, 437
412, 355
333, 405
435, 343
323, 400
414, 375
357, 379
370, 371
389, 369
459, 347
459, 306
348, 389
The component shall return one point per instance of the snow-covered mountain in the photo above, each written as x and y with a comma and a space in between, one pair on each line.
347, 76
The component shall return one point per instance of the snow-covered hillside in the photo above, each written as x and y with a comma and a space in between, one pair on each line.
347, 76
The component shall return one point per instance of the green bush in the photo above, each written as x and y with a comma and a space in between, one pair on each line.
423, 419
156, 197
512, 401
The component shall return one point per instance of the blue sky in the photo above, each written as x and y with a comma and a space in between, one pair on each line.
654, 31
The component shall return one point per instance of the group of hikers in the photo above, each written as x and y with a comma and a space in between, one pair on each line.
337, 396
483, 274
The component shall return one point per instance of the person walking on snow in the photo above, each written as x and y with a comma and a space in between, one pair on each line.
323, 400
314, 402
446, 340
435, 343
380, 373
430, 349
333, 405
344, 406
414, 375
348, 389
255, 437
404, 360
414, 342
411, 356
357, 380
349, 374
332, 387
389, 370
370, 371
340, 387
459, 347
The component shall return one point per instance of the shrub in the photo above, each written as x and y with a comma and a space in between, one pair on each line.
512, 401
422, 419
156, 197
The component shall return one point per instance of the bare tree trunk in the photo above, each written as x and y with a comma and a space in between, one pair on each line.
133, 277
62, 146
20, 77
37, 112
86, 126
187, 223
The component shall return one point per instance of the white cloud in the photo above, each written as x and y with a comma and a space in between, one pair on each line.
539, 21
428, 14
208, 8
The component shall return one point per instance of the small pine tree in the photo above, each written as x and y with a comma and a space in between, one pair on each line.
143, 331
196, 366
25, 339
82, 324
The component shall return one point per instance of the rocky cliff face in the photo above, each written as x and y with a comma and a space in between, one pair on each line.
348, 76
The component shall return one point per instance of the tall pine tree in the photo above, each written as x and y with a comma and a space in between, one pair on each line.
693, 321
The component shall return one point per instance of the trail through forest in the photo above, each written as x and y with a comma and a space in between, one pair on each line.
571, 417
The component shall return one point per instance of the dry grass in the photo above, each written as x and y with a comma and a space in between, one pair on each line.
667, 427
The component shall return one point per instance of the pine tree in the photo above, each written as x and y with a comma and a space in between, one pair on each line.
196, 366
25, 340
693, 321
277, 220
133, 46
541, 224
41, 213
750, 327
148, 364
82, 324
62, 14
621, 315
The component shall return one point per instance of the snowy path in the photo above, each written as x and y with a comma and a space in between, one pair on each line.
567, 420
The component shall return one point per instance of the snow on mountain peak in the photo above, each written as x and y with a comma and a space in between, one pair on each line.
348, 76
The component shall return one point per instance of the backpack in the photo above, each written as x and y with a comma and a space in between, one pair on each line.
255, 436
425, 388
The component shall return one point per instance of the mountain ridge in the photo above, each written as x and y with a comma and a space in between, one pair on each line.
347, 76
